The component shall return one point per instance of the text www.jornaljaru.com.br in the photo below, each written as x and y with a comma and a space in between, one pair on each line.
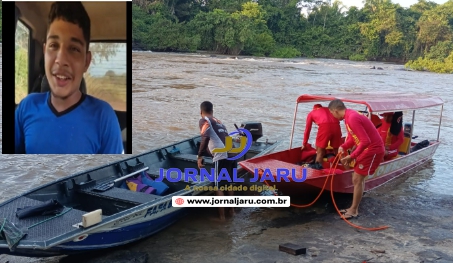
231, 201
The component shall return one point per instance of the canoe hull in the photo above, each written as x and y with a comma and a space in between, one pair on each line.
104, 239
126, 216
315, 180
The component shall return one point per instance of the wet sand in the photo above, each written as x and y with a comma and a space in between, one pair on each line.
420, 230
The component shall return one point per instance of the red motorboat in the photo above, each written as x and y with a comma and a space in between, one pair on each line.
412, 153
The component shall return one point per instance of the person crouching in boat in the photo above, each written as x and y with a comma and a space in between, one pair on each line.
328, 130
213, 134
368, 154
392, 133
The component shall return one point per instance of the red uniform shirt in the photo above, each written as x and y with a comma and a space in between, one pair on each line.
319, 116
393, 142
362, 133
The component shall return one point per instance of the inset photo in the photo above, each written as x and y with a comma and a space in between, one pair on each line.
70, 78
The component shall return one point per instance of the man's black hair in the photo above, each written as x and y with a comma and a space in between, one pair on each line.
336, 104
72, 12
206, 107
397, 123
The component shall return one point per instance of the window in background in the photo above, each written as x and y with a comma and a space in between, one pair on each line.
21, 61
106, 76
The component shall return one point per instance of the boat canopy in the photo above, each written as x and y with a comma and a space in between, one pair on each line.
379, 102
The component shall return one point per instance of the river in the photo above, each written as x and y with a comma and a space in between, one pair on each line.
168, 88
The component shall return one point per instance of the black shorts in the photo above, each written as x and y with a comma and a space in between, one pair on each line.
228, 165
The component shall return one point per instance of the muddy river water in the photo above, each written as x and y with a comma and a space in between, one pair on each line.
167, 91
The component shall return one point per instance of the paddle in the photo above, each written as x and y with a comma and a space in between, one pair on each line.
106, 186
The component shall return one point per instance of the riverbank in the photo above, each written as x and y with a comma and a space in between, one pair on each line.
419, 231
396, 61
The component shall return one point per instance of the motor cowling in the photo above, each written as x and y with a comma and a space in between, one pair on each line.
255, 128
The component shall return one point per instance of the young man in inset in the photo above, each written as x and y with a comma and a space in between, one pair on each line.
328, 130
64, 120
368, 154
213, 134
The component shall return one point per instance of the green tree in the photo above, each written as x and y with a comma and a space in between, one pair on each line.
423, 6
433, 65
103, 51
440, 51
229, 6
433, 28
231, 33
260, 42
435, 25
381, 30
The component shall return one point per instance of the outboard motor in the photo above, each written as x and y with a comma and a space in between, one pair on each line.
255, 128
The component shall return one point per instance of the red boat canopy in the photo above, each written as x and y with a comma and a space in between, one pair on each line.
379, 102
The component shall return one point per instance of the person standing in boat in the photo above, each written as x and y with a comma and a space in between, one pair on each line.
392, 133
328, 130
368, 154
213, 134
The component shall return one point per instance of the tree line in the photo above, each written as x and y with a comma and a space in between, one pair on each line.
420, 36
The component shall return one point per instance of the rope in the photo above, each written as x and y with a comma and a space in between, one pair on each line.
342, 216
4, 222
331, 174
320, 193
60, 214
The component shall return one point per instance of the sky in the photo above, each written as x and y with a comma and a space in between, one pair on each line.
403, 3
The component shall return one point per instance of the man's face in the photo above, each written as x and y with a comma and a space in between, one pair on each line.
66, 58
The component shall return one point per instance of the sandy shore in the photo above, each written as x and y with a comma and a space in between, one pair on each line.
420, 231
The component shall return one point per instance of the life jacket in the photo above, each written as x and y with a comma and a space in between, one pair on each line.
161, 187
136, 185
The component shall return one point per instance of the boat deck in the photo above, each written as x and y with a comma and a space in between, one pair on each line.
64, 224
50, 229
116, 193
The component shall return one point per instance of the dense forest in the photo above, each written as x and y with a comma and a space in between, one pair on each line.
420, 36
